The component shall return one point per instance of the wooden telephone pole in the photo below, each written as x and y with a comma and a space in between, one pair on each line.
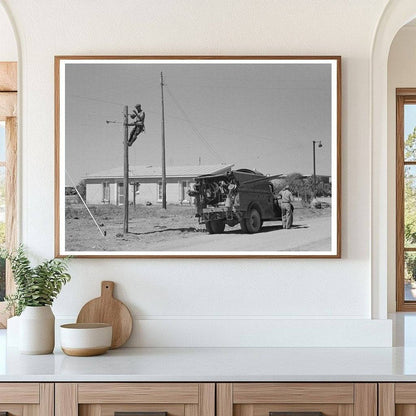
126, 170
163, 146
126, 159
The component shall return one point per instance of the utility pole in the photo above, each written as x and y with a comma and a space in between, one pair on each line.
163, 146
314, 142
137, 124
314, 171
126, 170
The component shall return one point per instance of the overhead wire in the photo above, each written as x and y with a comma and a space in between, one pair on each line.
94, 99
235, 133
184, 118
193, 127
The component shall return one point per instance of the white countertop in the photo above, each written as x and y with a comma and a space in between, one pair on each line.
213, 364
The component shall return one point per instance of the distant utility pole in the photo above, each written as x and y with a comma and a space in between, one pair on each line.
314, 142
126, 170
163, 146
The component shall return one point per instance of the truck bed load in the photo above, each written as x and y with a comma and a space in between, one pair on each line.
242, 196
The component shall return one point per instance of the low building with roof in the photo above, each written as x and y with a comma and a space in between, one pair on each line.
145, 184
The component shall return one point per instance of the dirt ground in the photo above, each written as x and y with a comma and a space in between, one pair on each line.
152, 228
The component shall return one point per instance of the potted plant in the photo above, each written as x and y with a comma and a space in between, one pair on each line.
36, 289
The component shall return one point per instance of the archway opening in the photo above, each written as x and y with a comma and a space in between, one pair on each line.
396, 15
401, 125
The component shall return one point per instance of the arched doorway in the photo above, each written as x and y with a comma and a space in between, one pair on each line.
396, 14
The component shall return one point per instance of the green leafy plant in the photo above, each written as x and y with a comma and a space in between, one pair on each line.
35, 286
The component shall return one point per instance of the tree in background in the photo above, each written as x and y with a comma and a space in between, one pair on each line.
2, 234
410, 267
302, 187
297, 184
410, 205
2, 239
82, 189
410, 146
2, 206
295, 181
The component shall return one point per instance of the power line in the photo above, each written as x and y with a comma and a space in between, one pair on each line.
196, 131
94, 99
256, 88
235, 133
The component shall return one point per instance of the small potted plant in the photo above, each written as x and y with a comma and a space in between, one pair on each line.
36, 289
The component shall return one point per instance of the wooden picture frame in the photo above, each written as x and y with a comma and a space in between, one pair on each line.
272, 121
404, 96
8, 116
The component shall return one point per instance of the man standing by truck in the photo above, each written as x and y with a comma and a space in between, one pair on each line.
286, 199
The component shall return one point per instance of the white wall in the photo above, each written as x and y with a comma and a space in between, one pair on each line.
8, 47
94, 193
147, 192
179, 302
401, 74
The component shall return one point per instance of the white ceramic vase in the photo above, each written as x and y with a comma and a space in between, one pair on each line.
37, 330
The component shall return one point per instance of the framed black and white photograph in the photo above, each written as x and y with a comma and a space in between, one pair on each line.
198, 156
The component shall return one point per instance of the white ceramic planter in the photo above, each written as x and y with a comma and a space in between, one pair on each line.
37, 330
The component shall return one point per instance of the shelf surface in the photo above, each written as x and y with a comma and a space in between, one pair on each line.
213, 365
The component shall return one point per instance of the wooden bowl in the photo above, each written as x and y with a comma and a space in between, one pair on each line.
84, 340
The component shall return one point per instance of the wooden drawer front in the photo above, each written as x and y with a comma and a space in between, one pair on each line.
27, 399
138, 393
12, 409
397, 399
293, 393
405, 393
19, 393
293, 409
110, 409
331, 399
104, 399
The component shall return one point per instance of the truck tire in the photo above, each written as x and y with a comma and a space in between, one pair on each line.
215, 226
243, 226
253, 222
208, 226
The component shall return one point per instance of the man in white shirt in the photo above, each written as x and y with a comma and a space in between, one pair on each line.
286, 199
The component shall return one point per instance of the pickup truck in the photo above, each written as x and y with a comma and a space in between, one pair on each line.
240, 196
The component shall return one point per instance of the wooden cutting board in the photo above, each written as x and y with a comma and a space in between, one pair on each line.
107, 309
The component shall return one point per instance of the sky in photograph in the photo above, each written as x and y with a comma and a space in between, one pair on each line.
409, 119
259, 116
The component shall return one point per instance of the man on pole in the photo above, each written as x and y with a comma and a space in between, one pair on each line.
137, 116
